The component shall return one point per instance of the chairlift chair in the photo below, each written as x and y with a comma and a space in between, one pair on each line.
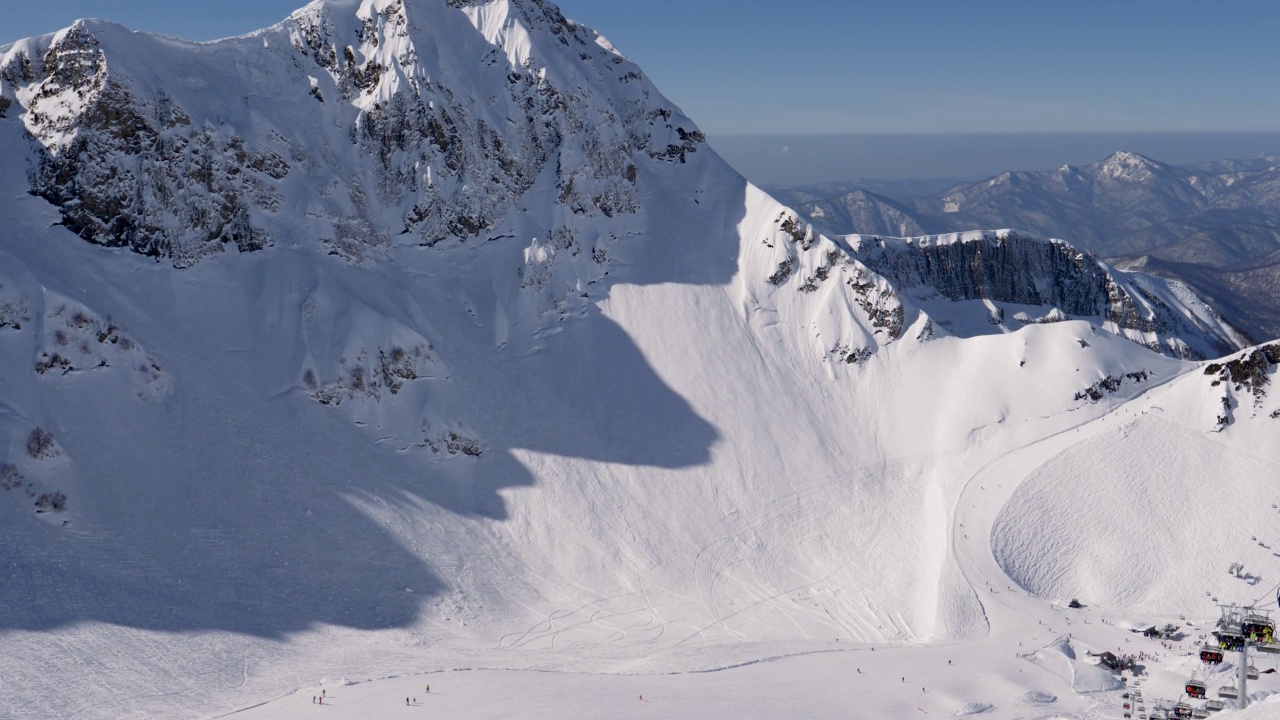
1228, 691
1196, 689
1251, 673
1182, 710
1215, 706
1229, 640
1211, 655
1258, 628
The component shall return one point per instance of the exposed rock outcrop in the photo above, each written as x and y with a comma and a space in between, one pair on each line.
1006, 267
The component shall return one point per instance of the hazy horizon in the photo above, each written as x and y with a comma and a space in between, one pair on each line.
812, 159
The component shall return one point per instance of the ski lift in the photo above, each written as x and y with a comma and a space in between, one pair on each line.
1229, 640
1271, 648
1251, 673
1214, 706
1182, 710
1228, 691
1258, 628
1200, 712
1210, 655
1196, 689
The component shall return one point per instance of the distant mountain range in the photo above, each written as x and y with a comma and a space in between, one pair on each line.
1215, 225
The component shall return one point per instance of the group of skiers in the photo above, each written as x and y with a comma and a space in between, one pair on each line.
319, 699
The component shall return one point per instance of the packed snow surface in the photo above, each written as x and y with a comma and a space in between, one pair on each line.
627, 440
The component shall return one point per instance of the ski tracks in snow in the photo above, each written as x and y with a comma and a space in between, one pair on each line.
603, 626
737, 575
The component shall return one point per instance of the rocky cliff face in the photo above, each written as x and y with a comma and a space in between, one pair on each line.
388, 121
134, 171
1011, 269
1005, 268
1241, 383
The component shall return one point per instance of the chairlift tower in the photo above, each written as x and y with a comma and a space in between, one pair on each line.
1247, 623
1243, 676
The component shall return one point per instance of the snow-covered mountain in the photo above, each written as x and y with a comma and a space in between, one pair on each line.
870, 213
415, 335
1212, 225
349, 124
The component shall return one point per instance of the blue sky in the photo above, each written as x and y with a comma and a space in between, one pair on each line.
847, 66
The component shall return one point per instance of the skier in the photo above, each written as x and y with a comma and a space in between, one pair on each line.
428, 689
406, 701
313, 699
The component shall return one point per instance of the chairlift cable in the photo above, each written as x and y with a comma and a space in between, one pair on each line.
1269, 593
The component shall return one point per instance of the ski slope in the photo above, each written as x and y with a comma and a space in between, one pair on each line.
1032, 663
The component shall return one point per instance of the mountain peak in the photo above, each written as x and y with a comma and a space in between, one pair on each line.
1127, 166
1127, 157
435, 116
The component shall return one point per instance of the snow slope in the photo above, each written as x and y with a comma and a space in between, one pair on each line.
633, 423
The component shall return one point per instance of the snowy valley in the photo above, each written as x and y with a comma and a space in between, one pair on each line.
416, 342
